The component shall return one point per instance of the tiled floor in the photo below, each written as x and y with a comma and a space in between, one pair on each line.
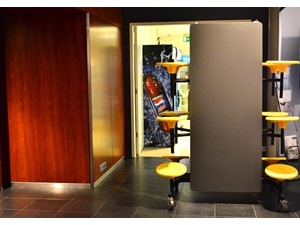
134, 190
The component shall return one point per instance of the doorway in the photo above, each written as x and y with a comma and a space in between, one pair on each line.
175, 34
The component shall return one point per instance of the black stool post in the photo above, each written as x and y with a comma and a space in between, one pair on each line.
172, 139
171, 187
273, 84
282, 150
173, 91
281, 85
272, 133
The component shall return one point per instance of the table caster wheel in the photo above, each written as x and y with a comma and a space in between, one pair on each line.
171, 202
285, 206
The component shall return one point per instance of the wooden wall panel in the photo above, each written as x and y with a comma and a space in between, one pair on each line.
47, 92
46, 68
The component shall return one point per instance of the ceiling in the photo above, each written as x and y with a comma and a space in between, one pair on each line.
171, 30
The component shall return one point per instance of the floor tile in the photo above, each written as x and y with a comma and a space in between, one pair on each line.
195, 210
116, 177
28, 193
15, 203
292, 194
118, 206
148, 188
156, 202
154, 206
83, 205
129, 198
7, 191
73, 215
134, 190
34, 214
4, 193
61, 193
102, 192
234, 211
7, 213
147, 176
106, 214
47, 204
261, 212
153, 213
210, 197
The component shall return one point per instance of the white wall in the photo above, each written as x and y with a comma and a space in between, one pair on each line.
145, 36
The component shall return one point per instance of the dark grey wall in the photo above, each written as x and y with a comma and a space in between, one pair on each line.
290, 28
4, 143
289, 50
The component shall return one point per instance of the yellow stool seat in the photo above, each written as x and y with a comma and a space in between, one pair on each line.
172, 67
276, 114
279, 66
273, 160
171, 169
281, 172
174, 113
172, 120
282, 120
176, 158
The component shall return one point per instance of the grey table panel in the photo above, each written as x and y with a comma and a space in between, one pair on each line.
225, 107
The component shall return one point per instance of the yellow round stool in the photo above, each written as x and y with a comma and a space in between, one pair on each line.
174, 113
272, 129
171, 121
281, 122
281, 173
176, 158
275, 114
172, 67
273, 160
280, 68
172, 171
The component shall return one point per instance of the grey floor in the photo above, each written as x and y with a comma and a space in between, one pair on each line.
134, 190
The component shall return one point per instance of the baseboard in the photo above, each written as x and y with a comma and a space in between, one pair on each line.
49, 185
97, 182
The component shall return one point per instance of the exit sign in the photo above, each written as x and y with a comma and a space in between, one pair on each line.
186, 38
